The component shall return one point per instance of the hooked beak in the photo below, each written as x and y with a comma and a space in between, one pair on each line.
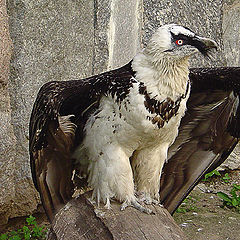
204, 45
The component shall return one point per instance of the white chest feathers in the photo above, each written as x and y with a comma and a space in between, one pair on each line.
140, 127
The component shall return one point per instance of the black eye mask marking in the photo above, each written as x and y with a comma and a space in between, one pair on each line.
193, 41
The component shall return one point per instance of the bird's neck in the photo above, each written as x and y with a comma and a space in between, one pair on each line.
163, 77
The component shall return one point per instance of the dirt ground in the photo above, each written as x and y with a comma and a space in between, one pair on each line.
201, 215
204, 217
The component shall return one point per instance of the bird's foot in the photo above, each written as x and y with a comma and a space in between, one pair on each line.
147, 199
108, 204
135, 204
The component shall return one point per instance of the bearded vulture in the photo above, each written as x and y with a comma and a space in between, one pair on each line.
116, 131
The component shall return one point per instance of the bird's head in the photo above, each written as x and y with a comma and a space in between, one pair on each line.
178, 42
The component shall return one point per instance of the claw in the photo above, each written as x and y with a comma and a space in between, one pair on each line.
147, 199
107, 205
137, 206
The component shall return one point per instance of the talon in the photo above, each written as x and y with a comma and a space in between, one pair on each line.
124, 206
155, 202
92, 201
108, 204
137, 206
147, 199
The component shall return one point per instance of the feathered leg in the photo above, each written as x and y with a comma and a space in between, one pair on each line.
111, 174
147, 165
111, 177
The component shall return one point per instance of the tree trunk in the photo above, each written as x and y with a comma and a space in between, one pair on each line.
80, 219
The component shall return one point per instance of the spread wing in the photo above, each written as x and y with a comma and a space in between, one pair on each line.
51, 143
56, 128
208, 133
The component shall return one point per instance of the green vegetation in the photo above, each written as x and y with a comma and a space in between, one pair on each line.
225, 178
232, 201
30, 232
211, 174
187, 205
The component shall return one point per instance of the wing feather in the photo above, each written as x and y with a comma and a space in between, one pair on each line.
56, 128
207, 135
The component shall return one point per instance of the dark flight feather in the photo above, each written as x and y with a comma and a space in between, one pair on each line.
208, 132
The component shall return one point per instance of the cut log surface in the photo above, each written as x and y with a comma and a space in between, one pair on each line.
80, 219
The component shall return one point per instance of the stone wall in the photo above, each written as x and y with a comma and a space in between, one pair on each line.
68, 39
7, 138
231, 50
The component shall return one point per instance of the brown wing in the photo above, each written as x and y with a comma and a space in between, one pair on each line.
56, 128
208, 133
51, 143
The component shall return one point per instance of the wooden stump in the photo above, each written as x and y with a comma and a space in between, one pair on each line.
80, 219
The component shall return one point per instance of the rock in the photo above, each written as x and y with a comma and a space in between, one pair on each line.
231, 33
233, 161
7, 138
79, 220
231, 39
124, 28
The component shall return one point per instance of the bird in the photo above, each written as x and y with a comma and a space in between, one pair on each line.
133, 134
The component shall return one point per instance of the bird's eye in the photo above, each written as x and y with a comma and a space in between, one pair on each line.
179, 42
